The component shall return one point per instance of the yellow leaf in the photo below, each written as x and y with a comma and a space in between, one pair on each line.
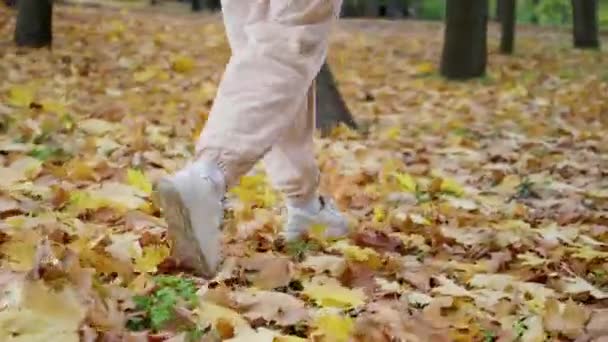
42, 314
451, 186
334, 327
117, 28
21, 95
589, 254
138, 180
289, 338
406, 181
151, 257
210, 314
318, 231
53, 106
379, 214
114, 195
425, 68
393, 133
145, 75
600, 193
20, 251
334, 295
356, 253
183, 64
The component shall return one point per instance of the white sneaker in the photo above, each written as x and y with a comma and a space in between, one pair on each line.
191, 201
300, 221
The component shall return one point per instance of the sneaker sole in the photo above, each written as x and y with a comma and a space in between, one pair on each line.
180, 230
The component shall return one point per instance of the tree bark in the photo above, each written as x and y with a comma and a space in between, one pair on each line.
465, 47
507, 23
396, 8
34, 26
497, 11
585, 24
331, 108
372, 8
212, 4
351, 9
197, 5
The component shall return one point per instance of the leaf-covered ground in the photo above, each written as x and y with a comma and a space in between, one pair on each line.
479, 209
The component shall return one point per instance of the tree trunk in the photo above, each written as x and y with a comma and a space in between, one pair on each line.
212, 4
331, 108
507, 23
396, 8
497, 11
197, 5
351, 9
34, 26
585, 22
372, 8
465, 47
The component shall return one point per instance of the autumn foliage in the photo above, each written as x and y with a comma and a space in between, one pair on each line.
479, 209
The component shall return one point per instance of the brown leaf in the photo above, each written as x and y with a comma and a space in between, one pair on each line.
268, 271
598, 324
224, 328
378, 240
390, 321
416, 274
358, 275
569, 320
9, 207
279, 307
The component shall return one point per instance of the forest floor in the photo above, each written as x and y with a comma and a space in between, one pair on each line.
479, 209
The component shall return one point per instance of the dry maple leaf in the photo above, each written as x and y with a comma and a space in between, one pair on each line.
268, 271
388, 321
327, 292
334, 265
276, 307
42, 314
357, 275
598, 324
568, 319
378, 240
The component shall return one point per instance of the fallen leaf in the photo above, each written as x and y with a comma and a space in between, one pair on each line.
21, 95
42, 314
139, 181
267, 271
378, 240
124, 247
576, 285
334, 265
333, 327
568, 319
150, 258
211, 314
331, 294
276, 307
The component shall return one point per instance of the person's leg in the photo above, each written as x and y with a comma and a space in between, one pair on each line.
291, 163
292, 168
265, 84
261, 94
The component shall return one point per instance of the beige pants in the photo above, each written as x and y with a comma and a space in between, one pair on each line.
265, 105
